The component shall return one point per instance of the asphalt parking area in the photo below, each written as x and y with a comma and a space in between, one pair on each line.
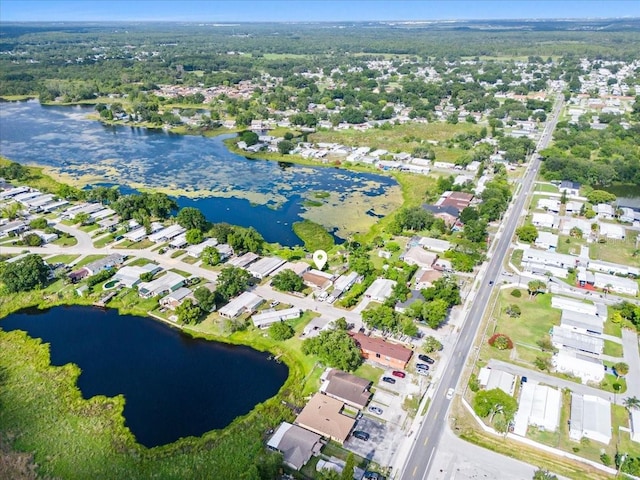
382, 444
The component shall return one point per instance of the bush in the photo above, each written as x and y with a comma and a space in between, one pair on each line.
281, 331
501, 342
605, 459
474, 385
431, 344
513, 311
516, 293
542, 363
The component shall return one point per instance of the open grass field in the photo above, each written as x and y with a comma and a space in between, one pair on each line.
314, 236
398, 138
66, 241
62, 259
617, 251
88, 259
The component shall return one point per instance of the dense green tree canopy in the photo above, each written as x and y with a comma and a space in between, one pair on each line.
231, 282
334, 348
287, 281
28, 273
191, 218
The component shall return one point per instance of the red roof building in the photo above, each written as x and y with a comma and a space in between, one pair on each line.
380, 351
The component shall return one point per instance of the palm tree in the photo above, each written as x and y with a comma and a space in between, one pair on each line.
631, 402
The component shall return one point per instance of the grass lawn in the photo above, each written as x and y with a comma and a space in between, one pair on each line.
177, 253
516, 257
139, 262
570, 245
90, 228
88, 259
189, 259
612, 349
180, 272
369, 372
611, 328
66, 241
62, 259
617, 251
399, 138
545, 187
104, 240
142, 244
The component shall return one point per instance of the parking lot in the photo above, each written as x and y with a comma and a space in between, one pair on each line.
382, 443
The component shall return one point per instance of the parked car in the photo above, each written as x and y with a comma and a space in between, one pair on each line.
426, 358
422, 372
389, 380
359, 434
398, 373
422, 366
372, 476
275, 303
376, 410
450, 393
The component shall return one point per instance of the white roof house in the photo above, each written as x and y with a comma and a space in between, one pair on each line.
130, 276
563, 336
565, 303
540, 406
419, 256
572, 207
588, 369
269, 317
491, 378
345, 282
604, 210
635, 425
136, 235
583, 225
296, 267
582, 322
590, 417
380, 289
548, 259
434, 244
196, 250
547, 241
612, 231
613, 268
167, 283
174, 299
549, 204
166, 234
245, 302
265, 266
615, 284
544, 220
245, 260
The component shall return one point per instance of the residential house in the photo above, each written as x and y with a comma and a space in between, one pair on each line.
110, 261
425, 277
563, 336
582, 322
175, 298
380, 351
317, 279
614, 268
267, 318
434, 244
129, 276
447, 213
569, 187
323, 415
572, 207
347, 388
420, 257
547, 241
604, 210
539, 406
167, 234
265, 266
342, 284
627, 215
243, 261
380, 289
549, 205
565, 303
587, 368
612, 283
196, 250
533, 257
612, 231
13, 228
590, 418
583, 225
246, 302
296, 444
490, 378
459, 200
167, 283
545, 220
299, 268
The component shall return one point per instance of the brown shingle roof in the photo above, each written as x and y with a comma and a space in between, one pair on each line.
382, 347
322, 415
349, 388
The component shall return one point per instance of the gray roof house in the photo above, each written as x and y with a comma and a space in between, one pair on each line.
296, 444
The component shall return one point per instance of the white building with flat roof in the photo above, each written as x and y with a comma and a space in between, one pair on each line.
167, 234
539, 406
434, 244
588, 369
612, 231
634, 422
544, 220
268, 317
167, 283
582, 322
549, 204
265, 266
563, 336
196, 250
565, 303
616, 284
547, 241
491, 378
590, 418
380, 289
243, 303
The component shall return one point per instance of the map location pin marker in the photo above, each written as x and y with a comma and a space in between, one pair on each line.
320, 258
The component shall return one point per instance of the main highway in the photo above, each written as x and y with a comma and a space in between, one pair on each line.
430, 432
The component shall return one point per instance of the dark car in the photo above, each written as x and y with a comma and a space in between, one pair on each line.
389, 380
359, 434
398, 373
422, 366
426, 358
372, 476
490, 282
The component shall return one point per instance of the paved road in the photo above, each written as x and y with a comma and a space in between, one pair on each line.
631, 358
429, 436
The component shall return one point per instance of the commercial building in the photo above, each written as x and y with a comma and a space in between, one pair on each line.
380, 351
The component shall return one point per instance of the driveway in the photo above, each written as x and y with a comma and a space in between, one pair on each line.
631, 358
382, 444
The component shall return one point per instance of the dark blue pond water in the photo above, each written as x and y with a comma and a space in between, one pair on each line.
174, 386
257, 193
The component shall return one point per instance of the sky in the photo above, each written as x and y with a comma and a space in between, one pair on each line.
308, 10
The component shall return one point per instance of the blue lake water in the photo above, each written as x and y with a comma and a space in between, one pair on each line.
263, 194
174, 386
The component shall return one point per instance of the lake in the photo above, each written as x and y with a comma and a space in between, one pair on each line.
198, 171
174, 386
628, 195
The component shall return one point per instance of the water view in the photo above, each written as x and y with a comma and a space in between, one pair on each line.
174, 386
227, 187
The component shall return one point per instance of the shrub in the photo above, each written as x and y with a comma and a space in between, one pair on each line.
513, 311
605, 459
542, 363
474, 385
281, 331
516, 293
501, 342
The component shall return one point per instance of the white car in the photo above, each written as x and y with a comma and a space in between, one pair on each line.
450, 393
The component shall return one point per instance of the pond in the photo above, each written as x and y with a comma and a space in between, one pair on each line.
628, 195
174, 386
199, 171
